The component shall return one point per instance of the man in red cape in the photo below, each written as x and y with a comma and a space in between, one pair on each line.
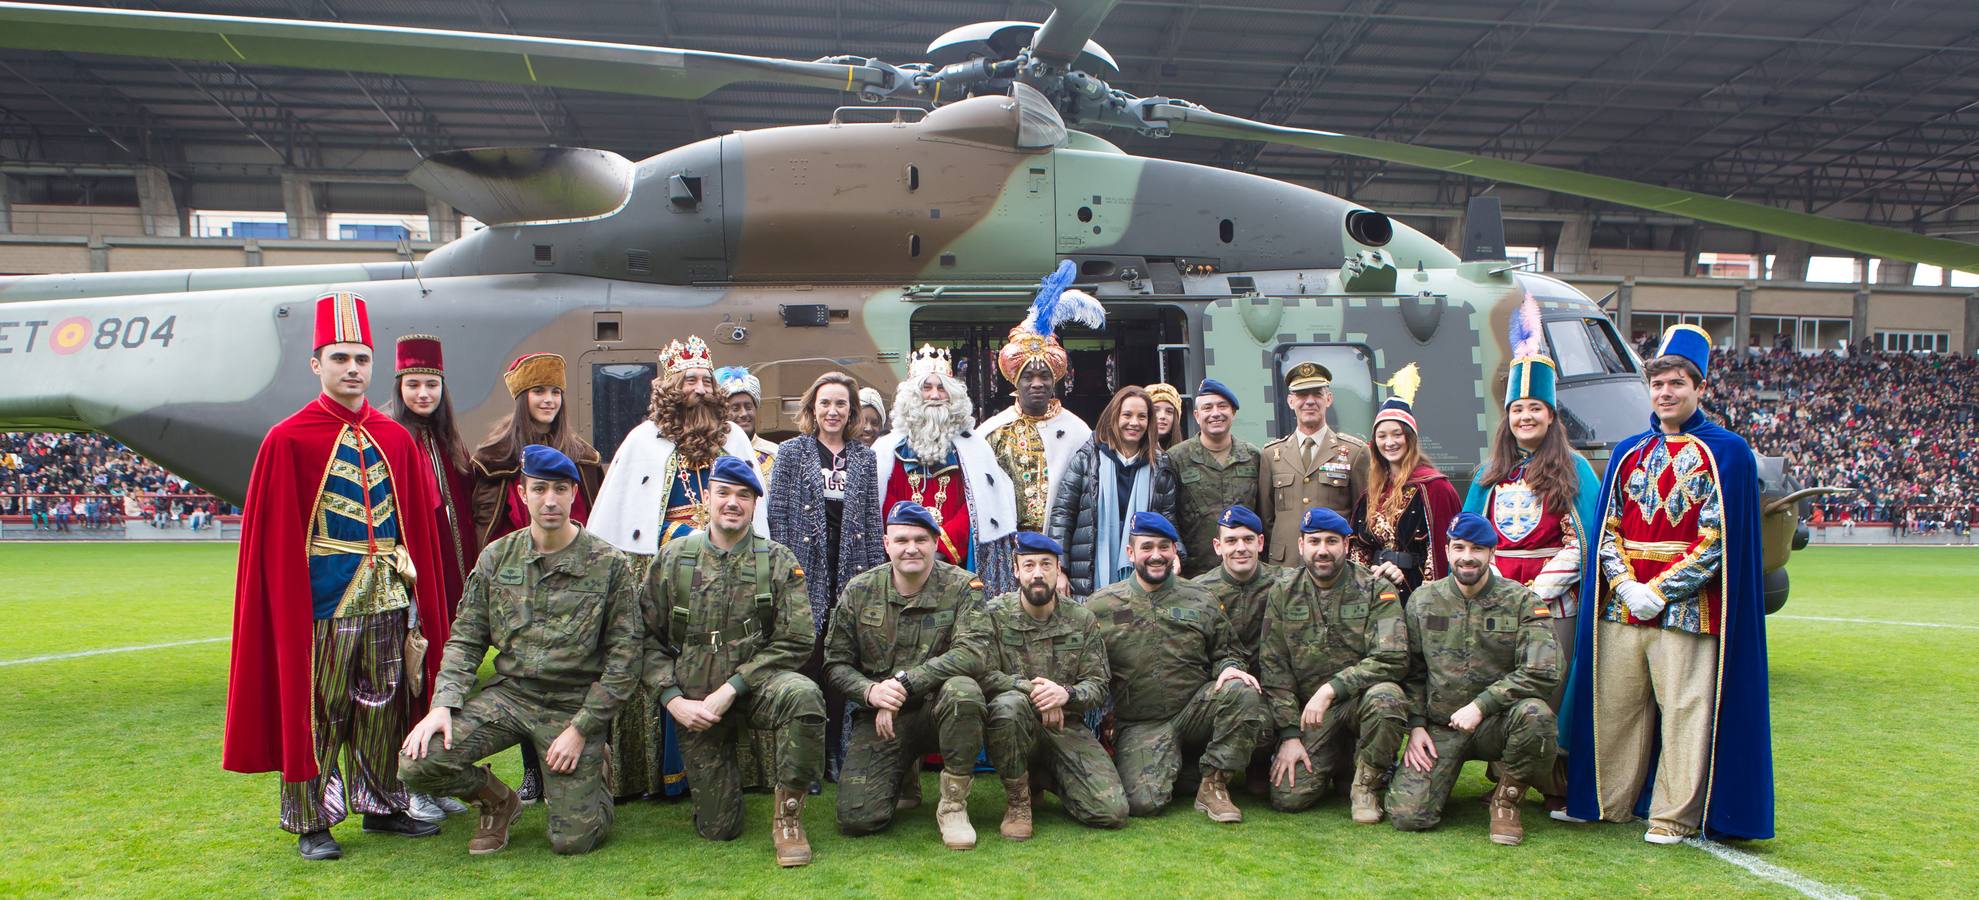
338, 528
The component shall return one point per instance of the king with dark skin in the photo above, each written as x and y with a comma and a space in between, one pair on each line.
1035, 388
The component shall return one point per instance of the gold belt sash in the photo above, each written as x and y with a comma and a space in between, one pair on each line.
1658, 551
400, 558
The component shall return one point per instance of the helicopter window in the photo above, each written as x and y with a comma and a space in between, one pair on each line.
1226, 231
1586, 347
1085, 213
913, 245
913, 177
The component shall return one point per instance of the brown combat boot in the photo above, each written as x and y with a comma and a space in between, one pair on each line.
909, 795
1017, 808
1365, 795
500, 807
787, 829
1505, 825
1213, 797
952, 813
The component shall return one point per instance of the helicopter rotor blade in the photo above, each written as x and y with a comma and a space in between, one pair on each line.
1874, 240
1066, 31
423, 52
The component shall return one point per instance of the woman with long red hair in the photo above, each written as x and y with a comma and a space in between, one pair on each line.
1400, 522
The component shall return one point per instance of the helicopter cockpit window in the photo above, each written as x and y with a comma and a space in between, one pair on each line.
1353, 385
1587, 347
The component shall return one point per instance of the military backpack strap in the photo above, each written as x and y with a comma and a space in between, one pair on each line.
684, 563
759, 552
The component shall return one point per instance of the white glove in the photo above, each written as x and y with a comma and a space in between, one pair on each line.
1643, 602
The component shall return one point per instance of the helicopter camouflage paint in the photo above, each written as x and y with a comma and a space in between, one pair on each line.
863, 232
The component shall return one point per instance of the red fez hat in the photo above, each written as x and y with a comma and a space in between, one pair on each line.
342, 319
419, 354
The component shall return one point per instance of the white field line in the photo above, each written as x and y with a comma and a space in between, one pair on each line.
82, 653
1875, 622
1784, 877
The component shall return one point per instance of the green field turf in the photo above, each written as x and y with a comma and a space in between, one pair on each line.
110, 780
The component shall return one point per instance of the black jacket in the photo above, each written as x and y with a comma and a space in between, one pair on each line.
1075, 510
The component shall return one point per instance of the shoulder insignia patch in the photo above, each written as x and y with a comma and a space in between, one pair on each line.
975, 584
796, 571
1542, 612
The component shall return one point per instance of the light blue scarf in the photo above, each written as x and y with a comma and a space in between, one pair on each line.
1110, 561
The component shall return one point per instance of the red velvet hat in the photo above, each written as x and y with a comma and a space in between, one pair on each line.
341, 318
419, 354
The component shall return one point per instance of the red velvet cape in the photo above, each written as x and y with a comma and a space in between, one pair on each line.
1443, 507
270, 713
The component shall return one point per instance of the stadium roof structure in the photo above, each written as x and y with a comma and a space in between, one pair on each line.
1863, 111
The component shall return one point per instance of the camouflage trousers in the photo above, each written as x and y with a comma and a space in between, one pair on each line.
500, 716
360, 718
1520, 740
1071, 758
789, 706
1369, 728
950, 723
1227, 724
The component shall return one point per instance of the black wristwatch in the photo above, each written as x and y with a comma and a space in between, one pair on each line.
901, 676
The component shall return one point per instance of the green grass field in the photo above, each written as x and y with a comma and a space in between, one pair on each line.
110, 779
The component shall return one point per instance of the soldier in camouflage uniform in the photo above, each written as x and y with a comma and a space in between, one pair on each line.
560, 607
892, 650
1483, 661
728, 620
1042, 665
1215, 470
1334, 648
1178, 679
1243, 580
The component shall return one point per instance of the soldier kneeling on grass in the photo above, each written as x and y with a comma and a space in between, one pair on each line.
560, 607
1482, 661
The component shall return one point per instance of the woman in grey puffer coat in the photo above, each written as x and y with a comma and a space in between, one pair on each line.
1116, 474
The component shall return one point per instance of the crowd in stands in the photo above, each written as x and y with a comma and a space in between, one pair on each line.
1901, 429
81, 482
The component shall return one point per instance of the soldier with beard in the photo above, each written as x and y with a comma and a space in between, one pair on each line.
1178, 679
1042, 663
934, 458
655, 493
1482, 663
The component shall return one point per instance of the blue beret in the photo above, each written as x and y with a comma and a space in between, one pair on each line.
1320, 518
1149, 524
1473, 528
907, 512
539, 461
1212, 386
1240, 516
1035, 542
734, 471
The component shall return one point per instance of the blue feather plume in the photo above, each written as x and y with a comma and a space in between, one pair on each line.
1055, 305
1525, 331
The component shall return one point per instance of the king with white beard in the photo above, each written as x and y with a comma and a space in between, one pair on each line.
934, 457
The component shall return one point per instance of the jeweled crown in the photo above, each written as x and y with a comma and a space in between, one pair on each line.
694, 354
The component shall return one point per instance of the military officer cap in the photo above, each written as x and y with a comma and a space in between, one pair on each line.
1150, 524
907, 512
1308, 376
734, 471
1031, 542
1473, 528
1240, 516
547, 463
1212, 386
1320, 519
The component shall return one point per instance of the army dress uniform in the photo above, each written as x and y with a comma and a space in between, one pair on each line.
1293, 478
567, 636
1165, 649
1496, 650
1205, 487
1351, 635
877, 634
740, 617
1011, 648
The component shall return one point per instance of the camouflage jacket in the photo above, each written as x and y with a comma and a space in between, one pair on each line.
738, 616
1494, 649
564, 625
1162, 647
1243, 604
1351, 635
876, 633
1204, 489
1011, 648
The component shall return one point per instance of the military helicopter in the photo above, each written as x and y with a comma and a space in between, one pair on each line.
927, 215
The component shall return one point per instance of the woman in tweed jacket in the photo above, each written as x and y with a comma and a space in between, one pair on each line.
821, 469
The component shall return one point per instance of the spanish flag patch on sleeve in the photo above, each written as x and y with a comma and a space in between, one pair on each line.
1390, 595
975, 584
1542, 612
796, 571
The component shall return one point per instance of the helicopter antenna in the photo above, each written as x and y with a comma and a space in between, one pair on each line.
405, 250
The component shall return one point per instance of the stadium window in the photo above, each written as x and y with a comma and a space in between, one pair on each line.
1927, 275
1728, 265
1962, 278
1914, 341
1834, 269
238, 223
1533, 257
378, 227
